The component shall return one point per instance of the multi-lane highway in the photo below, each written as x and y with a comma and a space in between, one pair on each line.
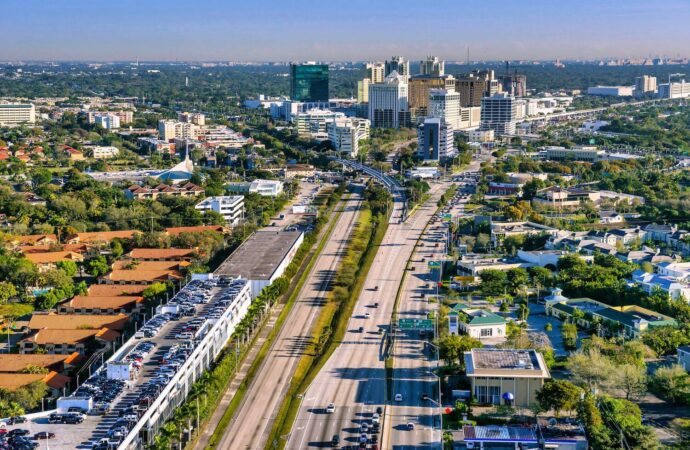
253, 420
354, 377
415, 359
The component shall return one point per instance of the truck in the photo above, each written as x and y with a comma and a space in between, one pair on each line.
65, 403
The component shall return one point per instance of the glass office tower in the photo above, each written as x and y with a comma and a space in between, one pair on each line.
309, 82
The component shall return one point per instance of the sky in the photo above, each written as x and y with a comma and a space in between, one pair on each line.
330, 30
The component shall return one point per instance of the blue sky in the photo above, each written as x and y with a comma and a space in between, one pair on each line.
279, 30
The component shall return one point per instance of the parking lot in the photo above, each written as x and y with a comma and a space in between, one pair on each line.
161, 347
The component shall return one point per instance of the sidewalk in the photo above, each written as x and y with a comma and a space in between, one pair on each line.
239, 378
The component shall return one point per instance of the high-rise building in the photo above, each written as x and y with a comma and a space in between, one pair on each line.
492, 86
309, 82
471, 89
172, 129
388, 106
363, 90
498, 113
15, 114
445, 104
419, 87
108, 121
435, 139
432, 66
515, 85
398, 64
346, 132
645, 84
376, 72
679, 89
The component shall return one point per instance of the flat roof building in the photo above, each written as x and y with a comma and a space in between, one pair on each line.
262, 258
15, 114
506, 376
231, 207
309, 82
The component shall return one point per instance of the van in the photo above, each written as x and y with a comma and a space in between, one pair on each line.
335, 442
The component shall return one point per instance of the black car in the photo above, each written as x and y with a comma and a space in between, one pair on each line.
335, 442
44, 435
379, 410
15, 420
17, 432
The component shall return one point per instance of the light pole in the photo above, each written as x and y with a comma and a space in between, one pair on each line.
439, 403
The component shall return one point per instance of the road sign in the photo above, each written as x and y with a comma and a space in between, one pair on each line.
415, 324
447, 217
434, 264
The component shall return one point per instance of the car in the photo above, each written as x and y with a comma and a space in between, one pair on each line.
76, 409
330, 409
363, 438
361, 329
374, 447
398, 397
376, 304
185, 335
375, 418
425, 396
367, 315
17, 432
379, 410
364, 428
16, 419
335, 442
44, 435
410, 426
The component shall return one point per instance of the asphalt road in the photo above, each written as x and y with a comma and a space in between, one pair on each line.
253, 420
354, 376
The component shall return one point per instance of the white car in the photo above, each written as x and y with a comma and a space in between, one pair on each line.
367, 315
398, 397
186, 335
330, 409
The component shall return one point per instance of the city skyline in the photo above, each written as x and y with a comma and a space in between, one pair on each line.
212, 30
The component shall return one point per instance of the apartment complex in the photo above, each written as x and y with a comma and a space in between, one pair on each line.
16, 114
195, 118
172, 129
231, 207
151, 193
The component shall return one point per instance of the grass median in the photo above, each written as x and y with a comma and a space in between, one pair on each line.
331, 325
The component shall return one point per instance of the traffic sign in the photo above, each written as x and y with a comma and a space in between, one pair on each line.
415, 324
434, 264
447, 217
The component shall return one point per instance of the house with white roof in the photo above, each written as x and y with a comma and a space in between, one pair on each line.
651, 282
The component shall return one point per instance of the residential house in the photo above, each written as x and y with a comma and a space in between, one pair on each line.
72, 153
501, 230
505, 376
651, 282
14, 363
46, 261
100, 237
609, 217
86, 304
146, 193
162, 254
174, 231
67, 341
56, 382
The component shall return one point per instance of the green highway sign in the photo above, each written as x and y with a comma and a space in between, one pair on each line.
447, 217
434, 264
415, 324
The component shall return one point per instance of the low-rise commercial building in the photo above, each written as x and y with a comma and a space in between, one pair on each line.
505, 376
103, 152
299, 171
231, 207
266, 188
476, 322
146, 193
262, 258
613, 91
577, 153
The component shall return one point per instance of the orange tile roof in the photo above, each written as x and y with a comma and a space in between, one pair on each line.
151, 276
197, 229
33, 238
103, 236
77, 321
43, 337
16, 363
53, 257
88, 302
13, 381
146, 266
56, 380
76, 248
161, 253
111, 290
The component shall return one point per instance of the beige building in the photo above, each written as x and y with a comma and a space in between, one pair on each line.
505, 376
376, 72
419, 87
171, 129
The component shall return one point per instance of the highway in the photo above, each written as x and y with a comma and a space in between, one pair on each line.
354, 376
251, 425
414, 357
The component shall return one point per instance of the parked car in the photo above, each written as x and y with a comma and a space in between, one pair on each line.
44, 435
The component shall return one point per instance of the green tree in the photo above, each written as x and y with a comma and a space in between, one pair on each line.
69, 267
665, 340
97, 266
452, 347
558, 395
7, 291
493, 282
672, 383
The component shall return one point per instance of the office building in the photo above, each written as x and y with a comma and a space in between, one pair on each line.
388, 107
435, 139
498, 113
231, 207
613, 91
312, 124
15, 114
505, 376
470, 118
680, 89
172, 129
419, 87
398, 64
515, 85
492, 85
309, 82
471, 89
107, 121
432, 66
376, 72
445, 105
345, 134
645, 84
195, 118
124, 116
578, 153
363, 90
